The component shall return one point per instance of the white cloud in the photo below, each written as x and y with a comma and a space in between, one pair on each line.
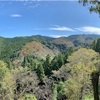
61, 28
57, 36
16, 15
89, 29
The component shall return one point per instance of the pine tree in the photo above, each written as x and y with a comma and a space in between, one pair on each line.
94, 45
40, 72
98, 46
47, 65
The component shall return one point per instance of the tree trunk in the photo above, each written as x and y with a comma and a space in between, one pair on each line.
81, 94
95, 82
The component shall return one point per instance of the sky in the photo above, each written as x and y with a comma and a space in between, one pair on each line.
47, 18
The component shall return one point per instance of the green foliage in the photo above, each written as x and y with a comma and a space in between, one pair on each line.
57, 62
3, 70
93, 46
47, 66
54, 91
81, 65
11, 47
28, 97
96, 45
88, 97
97, 49
31, 62
40, 72
61, 90
7, 82
9, 65
94, 5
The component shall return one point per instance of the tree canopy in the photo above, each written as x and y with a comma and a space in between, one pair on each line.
94, 5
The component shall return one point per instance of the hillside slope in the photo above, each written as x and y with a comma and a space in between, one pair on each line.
81, 39
37, 49
12, 48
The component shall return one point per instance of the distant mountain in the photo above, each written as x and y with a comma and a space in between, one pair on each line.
83, 38
63, 40
40, 46
62, 43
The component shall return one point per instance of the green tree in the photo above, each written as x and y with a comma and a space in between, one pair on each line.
57, 62
7, 82
61, 91
10, 65
95, 75
60, 60
93, 46
54, 91
25, 62
54, 63
81, 65
94, 5
97, 49
47, 65
40, 72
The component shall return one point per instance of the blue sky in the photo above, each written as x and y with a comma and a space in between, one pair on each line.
48, 18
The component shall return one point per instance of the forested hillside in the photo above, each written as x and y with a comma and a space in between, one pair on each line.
11, 47
46, 68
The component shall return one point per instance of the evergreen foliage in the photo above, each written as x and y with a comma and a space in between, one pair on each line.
40, 72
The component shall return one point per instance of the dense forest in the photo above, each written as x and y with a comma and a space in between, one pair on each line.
45, 68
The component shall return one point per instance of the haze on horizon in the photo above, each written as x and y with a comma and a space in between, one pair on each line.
47, 18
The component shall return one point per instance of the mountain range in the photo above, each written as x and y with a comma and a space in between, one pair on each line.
40, 46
